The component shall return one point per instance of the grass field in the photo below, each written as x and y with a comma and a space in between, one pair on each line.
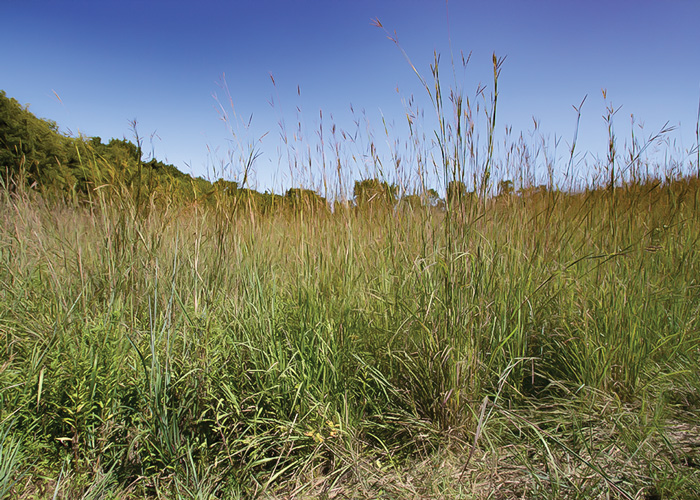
548, 346
509, 343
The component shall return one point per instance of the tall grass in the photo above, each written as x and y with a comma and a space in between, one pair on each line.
183, 350
180, 359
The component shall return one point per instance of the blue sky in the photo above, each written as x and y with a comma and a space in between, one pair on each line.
162, 63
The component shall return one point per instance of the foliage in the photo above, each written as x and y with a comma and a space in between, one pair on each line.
305, 200
33, 151
33, 148
374, 193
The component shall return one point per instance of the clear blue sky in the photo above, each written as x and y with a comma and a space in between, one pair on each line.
161, 63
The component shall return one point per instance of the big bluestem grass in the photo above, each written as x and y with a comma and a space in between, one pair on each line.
521, 340
157, 343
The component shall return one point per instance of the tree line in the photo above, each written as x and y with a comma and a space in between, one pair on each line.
34, 153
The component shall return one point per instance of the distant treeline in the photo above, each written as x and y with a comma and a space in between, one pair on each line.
34, 153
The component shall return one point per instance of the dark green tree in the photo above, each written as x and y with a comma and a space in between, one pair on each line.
34, 149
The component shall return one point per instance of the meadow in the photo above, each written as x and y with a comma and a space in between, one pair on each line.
513, 341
